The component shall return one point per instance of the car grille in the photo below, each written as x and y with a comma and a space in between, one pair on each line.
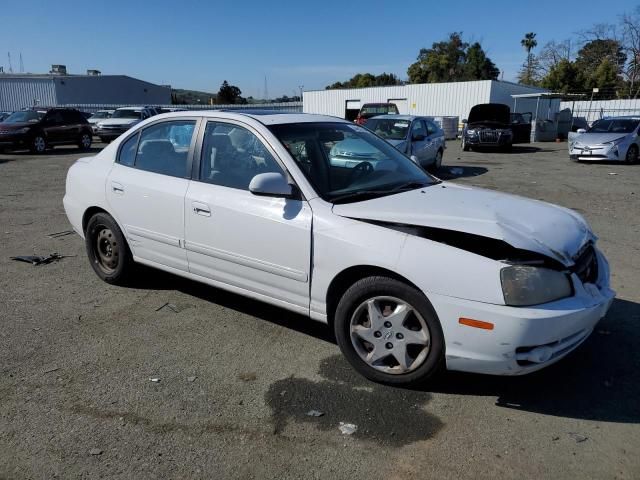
488, 136
586, 265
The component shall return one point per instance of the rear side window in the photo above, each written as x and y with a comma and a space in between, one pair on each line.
162, 148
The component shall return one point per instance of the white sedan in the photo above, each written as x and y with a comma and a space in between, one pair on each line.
412, 273
608, 139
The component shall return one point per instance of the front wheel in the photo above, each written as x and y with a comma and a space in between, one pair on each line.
84, 143
107, 249
389, 332
632, 154
38, 144
465, 145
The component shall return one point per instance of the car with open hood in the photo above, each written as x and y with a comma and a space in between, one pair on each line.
488, 125
121, 120
420, 138
412, 273
608, 139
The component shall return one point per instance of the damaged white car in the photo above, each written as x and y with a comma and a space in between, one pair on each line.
608, 139
413, 274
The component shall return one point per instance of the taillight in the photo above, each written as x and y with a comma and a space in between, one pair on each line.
360, 120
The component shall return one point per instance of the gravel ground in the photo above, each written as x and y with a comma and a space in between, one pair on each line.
237, 377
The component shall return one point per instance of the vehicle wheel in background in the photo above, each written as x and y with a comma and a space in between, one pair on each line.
389, 332
465, 146
85, 141
435, 166
507, 148
107, 249
38, 144
632, 154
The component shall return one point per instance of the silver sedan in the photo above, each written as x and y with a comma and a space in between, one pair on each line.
613, 139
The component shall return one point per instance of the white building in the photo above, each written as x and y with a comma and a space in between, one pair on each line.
430, 99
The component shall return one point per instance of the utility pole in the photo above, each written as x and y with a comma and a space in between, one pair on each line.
300, 87
21, 64
10, 66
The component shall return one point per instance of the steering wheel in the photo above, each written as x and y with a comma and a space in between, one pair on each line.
360, 170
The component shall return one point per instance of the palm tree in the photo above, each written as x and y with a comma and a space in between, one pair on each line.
529, 42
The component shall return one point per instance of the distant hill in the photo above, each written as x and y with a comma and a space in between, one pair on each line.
191, 97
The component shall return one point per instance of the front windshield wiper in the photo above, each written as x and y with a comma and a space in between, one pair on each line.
368, 194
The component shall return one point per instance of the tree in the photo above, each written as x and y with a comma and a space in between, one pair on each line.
229, 94
562, 77
553, 53
593, 53
478, 66
452, 60
529, 74
362, 80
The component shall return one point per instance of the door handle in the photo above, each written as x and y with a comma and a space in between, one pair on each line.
117, 188
201, 209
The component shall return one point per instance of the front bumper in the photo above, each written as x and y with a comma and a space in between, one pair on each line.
597, 152
524, 339
500, 140
14, 140
111, 133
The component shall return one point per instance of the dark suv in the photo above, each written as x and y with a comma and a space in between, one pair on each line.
37, 129
489, 125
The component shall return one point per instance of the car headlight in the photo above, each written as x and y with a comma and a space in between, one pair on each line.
524, 285
615, 142
506, 132
100, 125
471, 132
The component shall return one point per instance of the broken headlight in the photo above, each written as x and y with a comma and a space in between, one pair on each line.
524, 285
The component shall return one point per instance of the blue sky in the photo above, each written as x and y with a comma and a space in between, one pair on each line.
198, 44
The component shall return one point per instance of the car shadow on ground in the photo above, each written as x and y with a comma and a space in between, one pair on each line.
599, 381
450, 172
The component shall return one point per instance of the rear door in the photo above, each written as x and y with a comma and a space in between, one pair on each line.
70, 131
54, 127
253, 243
435, 138
147, 186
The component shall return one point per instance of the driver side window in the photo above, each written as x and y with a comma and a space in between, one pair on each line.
417, 129
232, 156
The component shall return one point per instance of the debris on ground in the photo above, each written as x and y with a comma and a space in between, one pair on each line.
191, 379
154, 379
51, 369
555, 438
95, 451
314, 413
456, 171
247, 376
60, 234
347, 428
40, 259
168, 306
578, 437
612, 173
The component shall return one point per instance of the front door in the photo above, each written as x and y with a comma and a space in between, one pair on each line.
146, 190
419, 142
254, 243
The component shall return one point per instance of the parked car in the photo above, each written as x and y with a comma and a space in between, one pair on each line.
612, 138
121, 120
521, 127
411, 272
369, 110
488, 125
99, 116
39, 129
420, 138
4, 115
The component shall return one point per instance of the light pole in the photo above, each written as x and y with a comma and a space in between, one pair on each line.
300, 87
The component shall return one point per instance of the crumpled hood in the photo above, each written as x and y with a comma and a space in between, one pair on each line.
532, 225
597, 138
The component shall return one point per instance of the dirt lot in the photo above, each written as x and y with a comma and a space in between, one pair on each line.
237, 377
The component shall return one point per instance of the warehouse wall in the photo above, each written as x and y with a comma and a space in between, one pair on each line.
432, 99
109, 89
18, 93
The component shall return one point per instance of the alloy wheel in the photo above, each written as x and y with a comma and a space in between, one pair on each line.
390, 335
39, 144
85, 141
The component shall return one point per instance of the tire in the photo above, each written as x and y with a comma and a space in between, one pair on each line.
359, 338
84, 142
465, 146
632, 154
38, 144
107, 249
508, 148
437, 163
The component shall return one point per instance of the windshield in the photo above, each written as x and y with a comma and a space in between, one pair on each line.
615, 125
100, 115
371, 110
126, 114
346, 162
24, 116
388, 128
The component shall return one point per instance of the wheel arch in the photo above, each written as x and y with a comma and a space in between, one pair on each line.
347, 277
90, 212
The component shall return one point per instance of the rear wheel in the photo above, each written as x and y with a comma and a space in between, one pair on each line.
632, 154
84, 143
38, 144
437, 163
389, 332
107, 249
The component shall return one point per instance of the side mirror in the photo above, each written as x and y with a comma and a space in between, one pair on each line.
271, 185
417, 137
414, 159
581, 130
465, 120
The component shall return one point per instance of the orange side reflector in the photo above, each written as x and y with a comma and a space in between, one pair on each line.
470, 322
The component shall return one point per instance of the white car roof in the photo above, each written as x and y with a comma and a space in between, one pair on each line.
266, 117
